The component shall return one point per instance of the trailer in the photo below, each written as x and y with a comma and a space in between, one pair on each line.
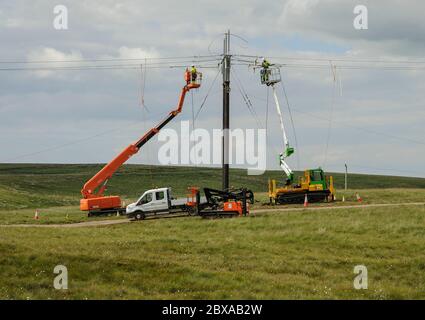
215, 203
227, 203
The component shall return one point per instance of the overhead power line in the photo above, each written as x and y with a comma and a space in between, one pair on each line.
338, 59
247, 100
353, 67
340, 63
82, 140
189, 58
213, 61
110, 67
206, 96
348, 124
209, 61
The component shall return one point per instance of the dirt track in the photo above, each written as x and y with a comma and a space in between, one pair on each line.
100, 223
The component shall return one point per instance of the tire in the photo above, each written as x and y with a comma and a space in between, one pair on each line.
139, 215
191, 211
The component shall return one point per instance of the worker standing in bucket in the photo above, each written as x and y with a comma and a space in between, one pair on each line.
193, 73
265, 71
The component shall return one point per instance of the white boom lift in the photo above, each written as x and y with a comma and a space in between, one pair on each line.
270, 76
314, 185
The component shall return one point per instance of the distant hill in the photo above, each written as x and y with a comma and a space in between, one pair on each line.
32, 185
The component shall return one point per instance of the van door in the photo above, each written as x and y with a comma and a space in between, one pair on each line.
160, 202
145, 202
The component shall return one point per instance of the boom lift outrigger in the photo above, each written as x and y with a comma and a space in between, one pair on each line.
93, 190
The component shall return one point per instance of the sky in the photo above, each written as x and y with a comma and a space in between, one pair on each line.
370, 117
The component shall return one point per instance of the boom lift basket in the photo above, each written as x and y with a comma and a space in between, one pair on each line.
193, 78
270, 75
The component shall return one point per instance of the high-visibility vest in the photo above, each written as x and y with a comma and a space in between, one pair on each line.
265, 64
193, 70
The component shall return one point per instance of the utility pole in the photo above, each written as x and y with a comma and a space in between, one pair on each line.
226, 109
346, 176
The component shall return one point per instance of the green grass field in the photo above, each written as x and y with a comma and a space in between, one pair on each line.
276, 255
300, 255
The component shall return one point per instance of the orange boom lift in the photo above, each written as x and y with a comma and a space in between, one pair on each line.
94, 200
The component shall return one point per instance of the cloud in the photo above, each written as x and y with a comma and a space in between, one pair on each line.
44, 108
137, 53
395, 28
50, 54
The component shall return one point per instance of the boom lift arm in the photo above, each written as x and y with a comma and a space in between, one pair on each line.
270, 76
93, 190
287, 149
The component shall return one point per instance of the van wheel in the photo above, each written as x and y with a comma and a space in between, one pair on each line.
191, 211
140, 216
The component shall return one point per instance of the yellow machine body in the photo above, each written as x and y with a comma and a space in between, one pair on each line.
313, 183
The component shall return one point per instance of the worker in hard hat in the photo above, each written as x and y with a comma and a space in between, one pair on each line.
265, 72
265, 64
193, 73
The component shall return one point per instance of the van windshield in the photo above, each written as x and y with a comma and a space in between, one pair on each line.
146, 198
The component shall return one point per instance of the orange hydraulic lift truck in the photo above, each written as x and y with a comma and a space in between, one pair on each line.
94, 201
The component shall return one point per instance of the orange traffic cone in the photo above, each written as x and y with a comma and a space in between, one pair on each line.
306, 200
36, 217
359, 199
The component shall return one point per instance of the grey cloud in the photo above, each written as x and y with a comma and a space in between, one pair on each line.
41, 112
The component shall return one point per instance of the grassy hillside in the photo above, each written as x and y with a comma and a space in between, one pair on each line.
309, 254
47, 185
275, 255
